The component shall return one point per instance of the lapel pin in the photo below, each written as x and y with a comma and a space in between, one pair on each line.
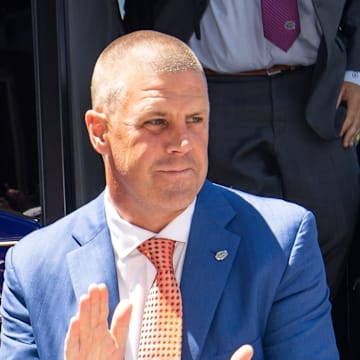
221, 255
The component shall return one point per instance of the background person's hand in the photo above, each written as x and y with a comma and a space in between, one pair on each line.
88, 336
245, 352
350, 94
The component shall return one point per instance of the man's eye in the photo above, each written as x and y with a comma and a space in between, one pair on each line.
156, 122
196, 119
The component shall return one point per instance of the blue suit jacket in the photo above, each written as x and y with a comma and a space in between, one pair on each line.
269, 291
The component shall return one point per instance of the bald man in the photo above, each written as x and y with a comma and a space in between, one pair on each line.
250, 271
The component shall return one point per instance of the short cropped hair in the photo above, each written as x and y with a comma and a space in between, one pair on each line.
145, 50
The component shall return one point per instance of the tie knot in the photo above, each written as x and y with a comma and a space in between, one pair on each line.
159, 251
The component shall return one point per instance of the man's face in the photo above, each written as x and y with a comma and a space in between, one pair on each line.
156, 161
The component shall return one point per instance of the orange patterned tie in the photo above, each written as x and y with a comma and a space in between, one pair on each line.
161, 328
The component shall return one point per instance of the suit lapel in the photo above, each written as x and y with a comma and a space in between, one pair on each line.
94, 261
204, 277
205, 274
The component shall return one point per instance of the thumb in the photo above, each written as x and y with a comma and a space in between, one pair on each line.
245, 352
120, 323
340, 97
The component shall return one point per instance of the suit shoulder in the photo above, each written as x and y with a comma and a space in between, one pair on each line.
261, 203
283, 218
88, 219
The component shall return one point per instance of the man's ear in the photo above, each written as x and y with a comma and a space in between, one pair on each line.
96, 123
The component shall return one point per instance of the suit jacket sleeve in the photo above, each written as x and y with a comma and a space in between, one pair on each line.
17, 338
299, 325
350, 30
173, 17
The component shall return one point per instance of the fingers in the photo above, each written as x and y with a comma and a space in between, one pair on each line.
350, 94
101, 304
339, 99
88, 335
93, 313
90, 322
84, 319
120, 323
92, 306
350, 128
349, 133
72, 340
245, 352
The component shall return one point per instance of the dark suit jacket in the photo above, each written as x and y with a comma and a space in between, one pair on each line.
339, 48
269, 291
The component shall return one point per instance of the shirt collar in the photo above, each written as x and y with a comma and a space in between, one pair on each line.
126, 237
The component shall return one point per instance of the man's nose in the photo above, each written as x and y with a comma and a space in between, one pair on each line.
179, 140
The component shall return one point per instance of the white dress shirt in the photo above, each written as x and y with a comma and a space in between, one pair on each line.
135, 272
232, 39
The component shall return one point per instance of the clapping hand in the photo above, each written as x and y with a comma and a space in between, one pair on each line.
89, 338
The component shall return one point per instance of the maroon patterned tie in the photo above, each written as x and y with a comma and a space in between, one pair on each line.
161, 329
281, 22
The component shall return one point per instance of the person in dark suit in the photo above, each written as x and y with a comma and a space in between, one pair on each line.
250, 269
283, 122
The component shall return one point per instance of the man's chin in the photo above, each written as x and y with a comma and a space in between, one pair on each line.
180, 197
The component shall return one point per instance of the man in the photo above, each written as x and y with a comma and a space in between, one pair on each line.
283, 120
250, 270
